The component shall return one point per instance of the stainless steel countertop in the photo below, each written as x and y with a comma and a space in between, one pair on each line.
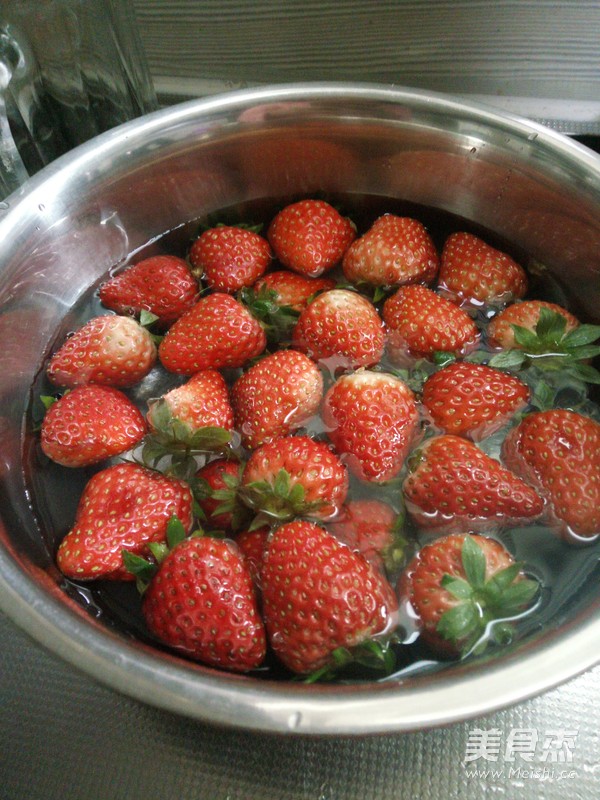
64, 736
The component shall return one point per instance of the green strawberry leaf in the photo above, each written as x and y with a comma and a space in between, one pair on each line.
502, 579
209, 438
441, 358
374, 655
297, 497
478, 357
201, 489
543, 396
48, 400
230, 481
141, 568
159, 550
550, 327
518, 595
180, 431
281, 485
474, 562
582, 335
175, 531
526, 339
584, 351
457, 587
378, 294
460, 622
161, 416
508, 359
147, 318
281, 499
153, 452
278, 320
584, 372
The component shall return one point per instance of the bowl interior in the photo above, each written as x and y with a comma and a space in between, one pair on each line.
145, 185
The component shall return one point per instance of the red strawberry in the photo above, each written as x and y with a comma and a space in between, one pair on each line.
111, 350
201, 402
473, 400
341, 325
293, 477
526, 315
421, 323
474, 272
201, 602
230, 257
216, 332
319, 596
253, 545
372, 419
394, 251
558, 451
217, 493
89, 424
291, 289
162, 285
310, 236
276, 396
123, 507
371, 528
456, 485
458, 585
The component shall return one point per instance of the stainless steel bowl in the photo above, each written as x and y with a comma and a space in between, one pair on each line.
92, 208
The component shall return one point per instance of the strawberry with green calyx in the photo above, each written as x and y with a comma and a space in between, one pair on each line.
473, 272
216, 332
216, 488
452, 484
277, 300
464, 591
558, 452
90, 424
230, 257
162, 286
318, 596
343, 326
292, 290
371, 418
193, 419
546, 337
554, 321
310, 236
473, 400
125, 506
110, 350
373, 529
422, 324
394, 251
374, 657
292, 477
278, 320
275, 397
199, 600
